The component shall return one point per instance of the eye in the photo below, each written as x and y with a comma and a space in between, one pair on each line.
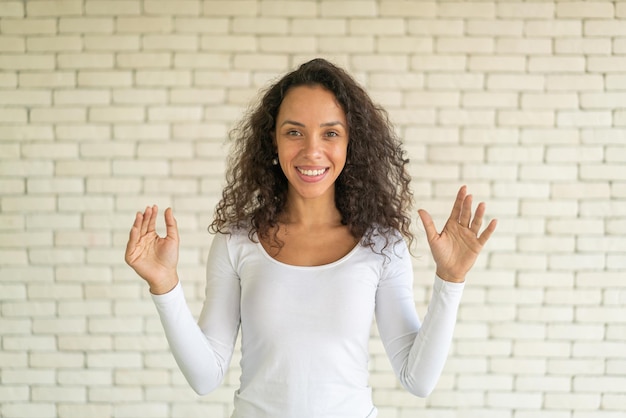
293, 132
332, 134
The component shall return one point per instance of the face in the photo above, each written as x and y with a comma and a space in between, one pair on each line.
312, 141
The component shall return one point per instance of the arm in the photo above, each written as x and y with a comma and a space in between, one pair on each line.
202, 350
417, 351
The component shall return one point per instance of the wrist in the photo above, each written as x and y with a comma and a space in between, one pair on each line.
450, 276
164, 286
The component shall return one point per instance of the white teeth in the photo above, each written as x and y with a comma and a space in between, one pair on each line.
312, 173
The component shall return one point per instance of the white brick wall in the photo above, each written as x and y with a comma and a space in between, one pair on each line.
107, 106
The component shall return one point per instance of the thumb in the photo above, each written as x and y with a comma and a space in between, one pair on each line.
429, 225
171, 226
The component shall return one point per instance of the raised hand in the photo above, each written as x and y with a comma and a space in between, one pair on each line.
456, 248
154, 258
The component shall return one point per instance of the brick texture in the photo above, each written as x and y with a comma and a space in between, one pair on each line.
107, 106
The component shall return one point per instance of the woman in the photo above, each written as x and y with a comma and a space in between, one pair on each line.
309, 247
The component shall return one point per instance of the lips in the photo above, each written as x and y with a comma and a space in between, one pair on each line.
311, 175
311, 172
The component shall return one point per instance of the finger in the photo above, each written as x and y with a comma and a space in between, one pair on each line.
458, 204
145, 220
171, 226
133, 236
478, 218
153, 218
466, 211
484, 237
429, 225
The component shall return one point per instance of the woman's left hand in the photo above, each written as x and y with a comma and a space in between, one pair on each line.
456, 248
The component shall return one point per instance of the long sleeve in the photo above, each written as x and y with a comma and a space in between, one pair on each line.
417, 351
203, 349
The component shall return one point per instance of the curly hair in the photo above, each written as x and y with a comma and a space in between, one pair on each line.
372, 192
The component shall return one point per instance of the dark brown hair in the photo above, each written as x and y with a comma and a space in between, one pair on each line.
372, 192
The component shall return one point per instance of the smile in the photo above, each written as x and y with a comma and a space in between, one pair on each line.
312, 173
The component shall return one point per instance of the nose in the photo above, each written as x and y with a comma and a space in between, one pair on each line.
313, 146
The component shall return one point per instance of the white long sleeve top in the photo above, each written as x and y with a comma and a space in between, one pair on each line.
305, 330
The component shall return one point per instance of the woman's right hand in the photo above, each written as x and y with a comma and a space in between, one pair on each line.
152, 257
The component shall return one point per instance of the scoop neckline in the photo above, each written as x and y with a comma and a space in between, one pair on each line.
321, 266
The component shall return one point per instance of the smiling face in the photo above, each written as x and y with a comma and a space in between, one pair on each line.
312, 141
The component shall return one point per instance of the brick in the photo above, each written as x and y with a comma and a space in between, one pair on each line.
115, 8
170, 42
80, 133
293, 44
47, 79
565, 82
82, 168
439, 27
27, 62
407, 9
86, 25
105, 78
117, 114
582, 46
583, 119
172, 8
515, 10
466, 9
434, 99
29, 26
111, 42
613, 64
605, 384
553, 28
474, 45
438, 63
107, 150
153, 131
135, 168
260, 26
498, 63
163, 78
12, 44
342, 8
11, 9
523, 46
202, 60
230, 8
55, 185
456, 117
8, 80
56, 44
140, 96
144, 24
518, 366
175, 113
26, 97
82, 97
607, 28
543, 384
606, 100
490, 100
85, 60
511, 28
359, 44
239, 43
579, 401
515, 82
201, 25
526, 118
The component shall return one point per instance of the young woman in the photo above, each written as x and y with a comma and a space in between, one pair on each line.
310, 246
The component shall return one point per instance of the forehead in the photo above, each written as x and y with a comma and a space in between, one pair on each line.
310, 101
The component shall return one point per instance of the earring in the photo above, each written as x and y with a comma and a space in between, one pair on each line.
275, 161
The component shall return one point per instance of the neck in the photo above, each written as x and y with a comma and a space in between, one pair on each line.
311, 212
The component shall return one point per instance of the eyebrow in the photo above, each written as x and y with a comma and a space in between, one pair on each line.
293, 122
